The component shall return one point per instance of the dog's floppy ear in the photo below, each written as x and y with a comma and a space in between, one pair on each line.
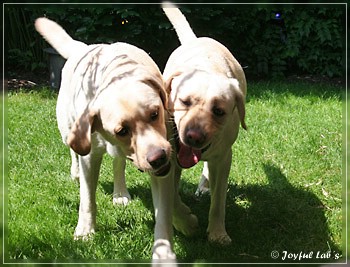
79, 139
154, 83
240, 102
241, 108
169, 81
164, 97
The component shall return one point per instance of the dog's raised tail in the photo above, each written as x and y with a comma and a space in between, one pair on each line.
178, 20
57, 37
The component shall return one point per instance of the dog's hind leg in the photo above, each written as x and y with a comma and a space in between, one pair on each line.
74, 169
121, 195
203, 186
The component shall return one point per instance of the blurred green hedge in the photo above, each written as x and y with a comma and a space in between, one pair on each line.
270, 41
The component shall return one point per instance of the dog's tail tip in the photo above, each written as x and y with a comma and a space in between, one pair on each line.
167, 4
179, 21
57, 37
40, 24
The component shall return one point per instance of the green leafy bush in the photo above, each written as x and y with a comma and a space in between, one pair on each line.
274, 41
320, 35
269, 40
23, 51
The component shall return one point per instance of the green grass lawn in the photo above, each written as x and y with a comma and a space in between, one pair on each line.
285, 186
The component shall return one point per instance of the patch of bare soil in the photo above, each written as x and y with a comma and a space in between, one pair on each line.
319, 79
27, 80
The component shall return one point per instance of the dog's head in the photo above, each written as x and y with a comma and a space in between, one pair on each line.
203, 106
129, 114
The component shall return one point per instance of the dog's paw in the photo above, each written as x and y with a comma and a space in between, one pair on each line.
83, 233
221, 239
162, 250
86, 224
203, 187
75, 178
186, 224
121, 199
184, 220
201, 191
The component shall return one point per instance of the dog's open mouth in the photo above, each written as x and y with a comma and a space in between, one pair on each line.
187, 156
164, 170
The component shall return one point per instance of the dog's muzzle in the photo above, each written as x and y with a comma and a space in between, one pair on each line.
163, 171
187, 156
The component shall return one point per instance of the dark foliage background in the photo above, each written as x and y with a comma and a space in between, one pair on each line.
270, 41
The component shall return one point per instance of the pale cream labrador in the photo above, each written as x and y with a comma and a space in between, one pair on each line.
112, 100
207, 89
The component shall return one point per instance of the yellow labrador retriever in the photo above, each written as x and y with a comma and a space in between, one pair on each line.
112, 100
207, 89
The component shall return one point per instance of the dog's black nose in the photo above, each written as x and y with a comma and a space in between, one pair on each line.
156, 157
195, 138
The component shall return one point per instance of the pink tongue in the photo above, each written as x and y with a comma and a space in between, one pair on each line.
188, 156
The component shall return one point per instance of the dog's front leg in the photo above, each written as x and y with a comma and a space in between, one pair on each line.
183, 218
218, 180
121, 195
89, 171
163, 199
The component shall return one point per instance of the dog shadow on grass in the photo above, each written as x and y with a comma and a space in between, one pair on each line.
268, 224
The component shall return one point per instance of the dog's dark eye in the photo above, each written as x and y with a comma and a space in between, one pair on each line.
218, 112
186, 102
122, 132
154, 116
